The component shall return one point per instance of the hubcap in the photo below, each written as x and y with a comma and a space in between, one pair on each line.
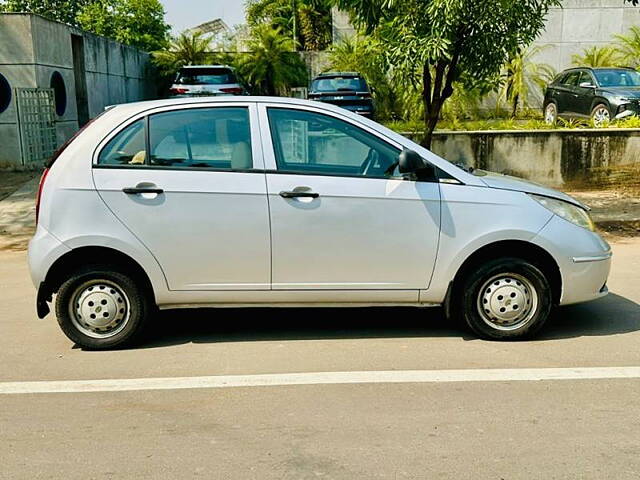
507, 301
601, 116
99, 308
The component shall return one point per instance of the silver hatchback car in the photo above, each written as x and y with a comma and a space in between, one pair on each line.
254, 201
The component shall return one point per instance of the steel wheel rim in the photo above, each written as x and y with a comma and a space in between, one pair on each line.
99, 308
507, 301
601, 115
550, 113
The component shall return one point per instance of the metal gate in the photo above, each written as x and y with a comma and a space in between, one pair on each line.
36, 123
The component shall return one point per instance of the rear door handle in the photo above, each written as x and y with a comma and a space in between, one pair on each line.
295, 194
137, 190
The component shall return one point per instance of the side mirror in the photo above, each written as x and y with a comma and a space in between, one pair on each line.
410, 161
587, 85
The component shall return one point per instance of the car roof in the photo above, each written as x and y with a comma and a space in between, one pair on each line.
596, 68
186, 67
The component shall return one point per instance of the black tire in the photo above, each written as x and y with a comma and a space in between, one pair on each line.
131, 293
532, 290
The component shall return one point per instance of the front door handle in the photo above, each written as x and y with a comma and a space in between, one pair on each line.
137, 190
295, 194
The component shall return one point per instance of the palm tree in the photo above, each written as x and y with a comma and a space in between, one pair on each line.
189, 48
606, 56
629, 46
521, 75
270, 67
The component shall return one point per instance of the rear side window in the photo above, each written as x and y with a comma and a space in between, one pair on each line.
218, 138
203, 137
126, 148
205, 76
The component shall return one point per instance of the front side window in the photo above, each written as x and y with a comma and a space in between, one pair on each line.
572, 79
313, 143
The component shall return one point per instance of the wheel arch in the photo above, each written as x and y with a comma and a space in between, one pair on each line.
80, 256
525, 250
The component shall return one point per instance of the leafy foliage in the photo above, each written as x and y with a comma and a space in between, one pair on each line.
439, 42
365, 55
311, 20
522, 75
270, 67
188, 48
61, 10
606, 56
139, 23
629, 47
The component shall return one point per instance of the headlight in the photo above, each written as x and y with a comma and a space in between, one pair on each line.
566, 210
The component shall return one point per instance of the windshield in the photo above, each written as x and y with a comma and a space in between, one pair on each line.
335, 84
618, 78
205, 76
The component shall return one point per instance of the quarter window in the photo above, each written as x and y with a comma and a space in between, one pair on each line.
313, 143
201, 137
126, 148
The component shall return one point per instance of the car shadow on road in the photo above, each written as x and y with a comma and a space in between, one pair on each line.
611, 315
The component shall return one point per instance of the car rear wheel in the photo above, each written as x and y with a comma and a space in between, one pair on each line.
100, 307
600, 115
551, 114
506, 299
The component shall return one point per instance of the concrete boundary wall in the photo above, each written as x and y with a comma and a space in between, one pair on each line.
592, 158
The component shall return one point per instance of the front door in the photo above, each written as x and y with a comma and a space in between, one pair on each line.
341, 216
198, 199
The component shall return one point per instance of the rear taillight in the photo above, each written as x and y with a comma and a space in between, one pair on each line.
364, 94
232, 90
39, 196
177, 91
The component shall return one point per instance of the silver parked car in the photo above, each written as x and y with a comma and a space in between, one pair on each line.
258, 201
206, 80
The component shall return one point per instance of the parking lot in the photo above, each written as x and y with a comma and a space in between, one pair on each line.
433, 427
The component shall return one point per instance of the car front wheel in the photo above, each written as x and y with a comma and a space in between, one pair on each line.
600, 115
506, 299
101, 307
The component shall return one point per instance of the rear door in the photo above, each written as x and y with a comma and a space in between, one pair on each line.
566, 93
341, 216
198, 201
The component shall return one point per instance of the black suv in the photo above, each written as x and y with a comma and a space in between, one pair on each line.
602, 94
348, 90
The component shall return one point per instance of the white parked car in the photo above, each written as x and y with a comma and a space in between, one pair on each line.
258, 201
205, 80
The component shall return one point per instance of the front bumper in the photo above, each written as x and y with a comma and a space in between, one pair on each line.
583, 257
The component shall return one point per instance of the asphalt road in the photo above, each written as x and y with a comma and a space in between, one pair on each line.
518, 428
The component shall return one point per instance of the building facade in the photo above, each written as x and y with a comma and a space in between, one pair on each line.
54, 78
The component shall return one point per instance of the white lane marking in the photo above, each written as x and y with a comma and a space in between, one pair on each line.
322, 378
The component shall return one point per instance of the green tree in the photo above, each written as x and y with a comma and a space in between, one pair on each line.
521, 75
629, 47
188, 48
61, 10
309, 19
444, 41
270, 67
139, 23
606, 56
